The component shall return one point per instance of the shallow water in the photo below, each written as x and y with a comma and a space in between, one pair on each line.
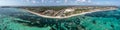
18, 19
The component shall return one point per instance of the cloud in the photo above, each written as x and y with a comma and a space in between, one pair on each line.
33, 1
81, 0
66, 0
58, 1
27, 0
42, 0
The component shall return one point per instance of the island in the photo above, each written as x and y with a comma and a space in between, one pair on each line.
66, 11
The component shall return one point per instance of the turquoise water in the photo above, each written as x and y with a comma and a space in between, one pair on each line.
18, 19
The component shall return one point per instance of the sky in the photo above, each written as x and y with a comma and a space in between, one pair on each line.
57, 2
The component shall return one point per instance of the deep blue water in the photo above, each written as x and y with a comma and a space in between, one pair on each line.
18, 19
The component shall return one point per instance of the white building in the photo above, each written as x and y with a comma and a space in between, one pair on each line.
69, 10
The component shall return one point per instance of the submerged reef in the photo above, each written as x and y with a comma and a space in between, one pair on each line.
26, 21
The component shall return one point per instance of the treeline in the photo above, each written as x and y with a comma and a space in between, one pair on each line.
52, 8
48, 8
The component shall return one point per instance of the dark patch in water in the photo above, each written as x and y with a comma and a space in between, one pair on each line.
94, 22
60, 24
112, 26
104, 23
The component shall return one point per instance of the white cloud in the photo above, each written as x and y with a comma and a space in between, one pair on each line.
84, 1
34, 2
42, 0
89, 0
81, 0
66, 0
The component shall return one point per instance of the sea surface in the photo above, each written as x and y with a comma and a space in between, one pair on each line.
19, 19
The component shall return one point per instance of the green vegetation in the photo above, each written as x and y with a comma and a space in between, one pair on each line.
48, 8
52, 8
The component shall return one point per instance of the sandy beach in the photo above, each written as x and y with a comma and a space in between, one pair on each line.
66, 16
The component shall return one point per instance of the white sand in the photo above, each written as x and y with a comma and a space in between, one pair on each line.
65, 16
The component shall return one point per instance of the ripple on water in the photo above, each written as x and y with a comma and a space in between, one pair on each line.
28, 21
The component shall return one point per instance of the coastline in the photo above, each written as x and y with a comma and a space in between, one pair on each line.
67, 16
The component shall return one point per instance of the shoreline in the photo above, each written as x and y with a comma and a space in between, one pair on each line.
67, 16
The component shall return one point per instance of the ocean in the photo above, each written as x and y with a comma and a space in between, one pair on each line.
19, 19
